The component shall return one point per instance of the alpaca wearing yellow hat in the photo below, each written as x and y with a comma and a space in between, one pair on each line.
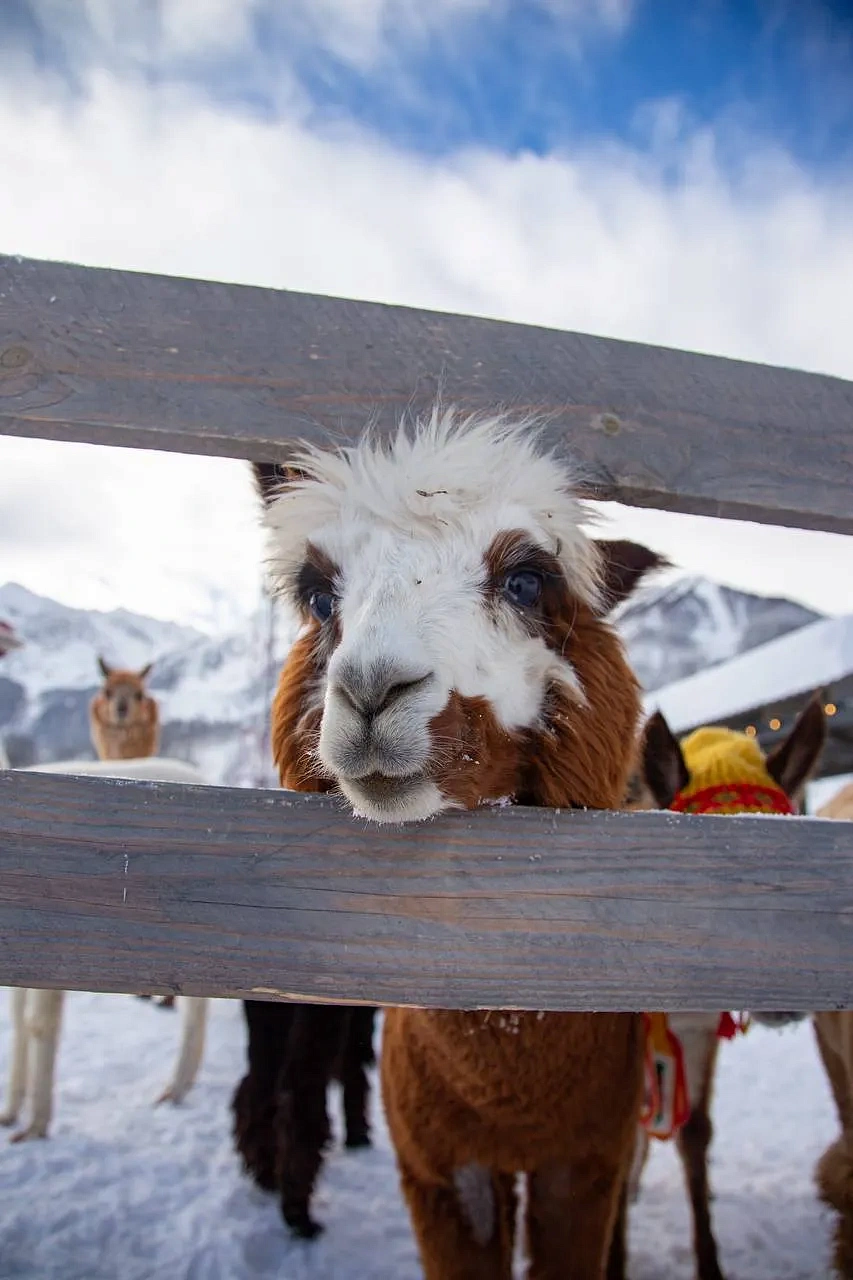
714, 770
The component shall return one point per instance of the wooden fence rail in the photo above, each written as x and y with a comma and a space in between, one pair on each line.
110, 885
120, 886
116, 357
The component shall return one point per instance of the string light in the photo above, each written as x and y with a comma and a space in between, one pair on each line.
775, 723
750, 730
830, 708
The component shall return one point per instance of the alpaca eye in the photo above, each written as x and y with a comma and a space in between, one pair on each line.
523, 587
322, 605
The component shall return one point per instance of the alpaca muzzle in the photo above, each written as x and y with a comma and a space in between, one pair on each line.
375, 719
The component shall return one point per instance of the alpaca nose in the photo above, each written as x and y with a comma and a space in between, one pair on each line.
373, 688
121, 710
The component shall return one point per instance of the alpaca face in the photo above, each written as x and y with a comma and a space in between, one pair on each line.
122, 702
439, 578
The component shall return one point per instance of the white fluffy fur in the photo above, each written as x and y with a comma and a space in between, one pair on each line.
37, 1014
408, 522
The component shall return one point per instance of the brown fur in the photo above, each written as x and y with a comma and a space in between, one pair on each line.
554, 1095
123, 719
834, 1035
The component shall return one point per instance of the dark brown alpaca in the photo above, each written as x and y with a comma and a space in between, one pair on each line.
281, 1121
455, 651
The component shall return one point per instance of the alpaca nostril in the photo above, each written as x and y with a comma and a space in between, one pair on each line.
373, 690
400, 690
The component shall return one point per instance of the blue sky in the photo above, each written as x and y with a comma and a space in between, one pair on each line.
519, 75
668, 172
784, 70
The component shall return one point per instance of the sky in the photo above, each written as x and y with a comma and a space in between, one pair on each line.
670, 173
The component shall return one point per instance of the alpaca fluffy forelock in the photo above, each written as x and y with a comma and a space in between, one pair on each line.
406, 529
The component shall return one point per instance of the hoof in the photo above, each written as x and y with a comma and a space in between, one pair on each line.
27, 1135
356, 1141
302, 1225
173, 1095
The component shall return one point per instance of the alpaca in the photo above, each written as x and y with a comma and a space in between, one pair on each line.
123, 718
37, 1013
714, 771
834, 1035
124, 722
455, 650
281, 1124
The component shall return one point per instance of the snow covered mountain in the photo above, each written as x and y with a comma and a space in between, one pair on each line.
692, 623
215, 691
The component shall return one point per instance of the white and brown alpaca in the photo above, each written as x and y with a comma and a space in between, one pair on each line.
37, 1013
454, 650
123, 718
663, 775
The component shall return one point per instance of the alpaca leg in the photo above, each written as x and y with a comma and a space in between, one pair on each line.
571, 1217
464, 1227
693, 1141
617, 1261
192, 1048
20, 1057
834, 1178
45, 1020
831, 1042
254, 1103
357, 1055
302, 1121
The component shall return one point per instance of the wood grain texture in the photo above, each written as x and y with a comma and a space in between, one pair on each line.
124, 358
120, 886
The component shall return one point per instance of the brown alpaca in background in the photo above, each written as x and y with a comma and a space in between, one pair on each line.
454, 651
123, 718
124, 722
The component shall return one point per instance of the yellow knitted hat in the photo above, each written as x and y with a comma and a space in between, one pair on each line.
727, 775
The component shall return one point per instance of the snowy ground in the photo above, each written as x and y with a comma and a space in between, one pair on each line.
123, 1189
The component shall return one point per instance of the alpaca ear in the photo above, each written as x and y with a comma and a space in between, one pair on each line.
664, 769
793, 761
623, 565
145, 672
105, 670
271, 477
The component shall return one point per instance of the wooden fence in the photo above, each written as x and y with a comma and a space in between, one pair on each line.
117, 886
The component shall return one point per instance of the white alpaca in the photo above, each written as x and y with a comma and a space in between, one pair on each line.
37, 1013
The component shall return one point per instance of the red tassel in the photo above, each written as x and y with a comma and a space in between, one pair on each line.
728, 1026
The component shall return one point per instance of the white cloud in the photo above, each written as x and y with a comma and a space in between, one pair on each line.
603, 240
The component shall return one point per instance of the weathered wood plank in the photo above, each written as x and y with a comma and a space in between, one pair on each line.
112, 885
123, 358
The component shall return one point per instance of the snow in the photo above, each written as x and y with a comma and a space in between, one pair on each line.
124, 1188
807, 659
